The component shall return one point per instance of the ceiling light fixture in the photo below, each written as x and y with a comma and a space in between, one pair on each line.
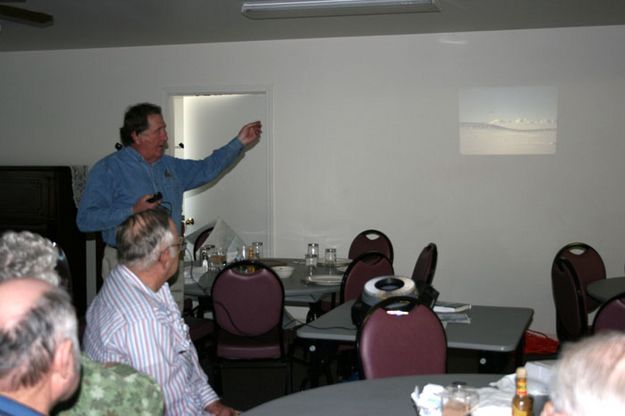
275, 9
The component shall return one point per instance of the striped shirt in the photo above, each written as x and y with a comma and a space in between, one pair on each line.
129, 323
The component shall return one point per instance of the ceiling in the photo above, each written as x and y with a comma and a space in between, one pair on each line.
117, 23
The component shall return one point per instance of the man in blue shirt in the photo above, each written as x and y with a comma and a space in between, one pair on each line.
124, 182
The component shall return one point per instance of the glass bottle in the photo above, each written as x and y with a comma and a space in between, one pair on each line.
204, 256
522, 403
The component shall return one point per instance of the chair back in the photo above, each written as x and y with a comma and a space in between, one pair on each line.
362, 269
611, 315
426, 264
370, 241
588, 266
248, 299
571, 314
401, 337
63, 269
199, 241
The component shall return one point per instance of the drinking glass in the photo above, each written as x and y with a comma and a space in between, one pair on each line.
205, 253
459, 400
242, 253
217, 259
330, 257
257, 248
310, 260
313, 249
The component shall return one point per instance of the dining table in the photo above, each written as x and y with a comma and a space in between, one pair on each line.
494, 332
605, 289
384, 396
306, 285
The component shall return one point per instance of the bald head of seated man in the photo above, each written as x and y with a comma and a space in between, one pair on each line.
589, 378
39, 350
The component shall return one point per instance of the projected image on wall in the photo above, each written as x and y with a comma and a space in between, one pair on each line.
508, 120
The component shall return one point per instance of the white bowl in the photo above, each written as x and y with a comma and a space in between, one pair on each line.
283, 271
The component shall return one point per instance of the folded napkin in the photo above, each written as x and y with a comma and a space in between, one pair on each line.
494, 402
538, 376
428, 402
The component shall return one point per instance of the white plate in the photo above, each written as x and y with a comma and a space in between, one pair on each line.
325, 280
283, 271
339, 262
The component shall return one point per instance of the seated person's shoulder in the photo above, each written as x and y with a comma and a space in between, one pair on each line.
113, 389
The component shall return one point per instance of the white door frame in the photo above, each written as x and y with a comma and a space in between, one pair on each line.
169, 93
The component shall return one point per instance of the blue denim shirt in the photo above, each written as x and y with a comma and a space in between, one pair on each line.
116, 183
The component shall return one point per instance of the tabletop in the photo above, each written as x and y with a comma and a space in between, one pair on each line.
606, 289
492, 328
386, 396
296, 288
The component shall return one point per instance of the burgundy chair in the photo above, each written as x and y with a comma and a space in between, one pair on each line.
588, 266
199, 241
571, 314
611, 315
401, 337
201, 330
426, 264
362, 269
204, 302
63, 269
248, 302
371, 241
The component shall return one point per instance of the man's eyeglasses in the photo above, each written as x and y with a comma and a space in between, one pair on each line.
179, 245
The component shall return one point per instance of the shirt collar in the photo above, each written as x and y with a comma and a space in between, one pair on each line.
134, 280
136, 156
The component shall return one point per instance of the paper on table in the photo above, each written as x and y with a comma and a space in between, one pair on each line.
445, 307
456, 318
223, 236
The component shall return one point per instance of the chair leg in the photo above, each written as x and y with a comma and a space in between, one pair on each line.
217, 379
288, 379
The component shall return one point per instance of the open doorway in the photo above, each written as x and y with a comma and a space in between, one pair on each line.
241, 196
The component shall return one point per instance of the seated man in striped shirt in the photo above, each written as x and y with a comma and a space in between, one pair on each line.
135, 320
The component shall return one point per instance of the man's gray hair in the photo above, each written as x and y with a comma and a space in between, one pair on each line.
27, 347
28, 254
589, 378
142, 237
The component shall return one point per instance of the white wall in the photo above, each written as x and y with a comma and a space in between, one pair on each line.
365, 135
241, 197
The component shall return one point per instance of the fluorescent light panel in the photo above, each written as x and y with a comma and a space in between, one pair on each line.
271, 9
